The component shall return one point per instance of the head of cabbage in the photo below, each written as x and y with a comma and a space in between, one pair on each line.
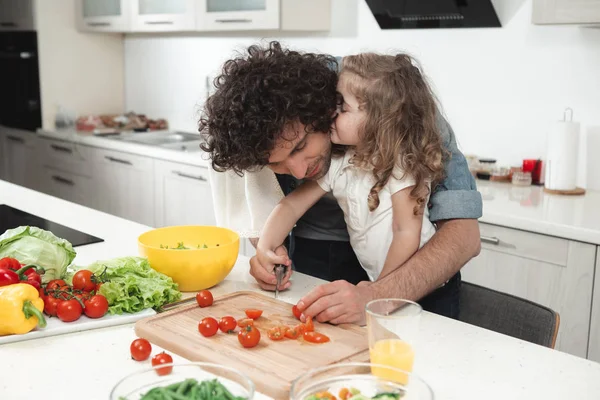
32, 245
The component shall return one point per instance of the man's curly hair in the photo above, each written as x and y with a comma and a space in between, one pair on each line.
257, 95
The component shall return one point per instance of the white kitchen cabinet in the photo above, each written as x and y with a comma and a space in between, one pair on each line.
22, 167
182, 195
554, 272
578, 12
594, 344
163, 16
104, 15
17, 15
227, 15
125, 185
69, 186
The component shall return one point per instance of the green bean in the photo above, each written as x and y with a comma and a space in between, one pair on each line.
184, 386
166, 395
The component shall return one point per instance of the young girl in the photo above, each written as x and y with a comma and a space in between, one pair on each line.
388, 121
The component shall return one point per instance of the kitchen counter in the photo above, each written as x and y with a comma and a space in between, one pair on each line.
196, 158
459, 361
531, 209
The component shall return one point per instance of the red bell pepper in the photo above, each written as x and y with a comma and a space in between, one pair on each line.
28, 274
8, 277
10, 263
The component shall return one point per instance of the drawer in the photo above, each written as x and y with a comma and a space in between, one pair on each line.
117, 158
524, 244
65, 156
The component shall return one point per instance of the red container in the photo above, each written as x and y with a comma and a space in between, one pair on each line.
535, 167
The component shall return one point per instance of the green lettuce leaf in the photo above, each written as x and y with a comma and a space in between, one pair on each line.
133, 285
32, 245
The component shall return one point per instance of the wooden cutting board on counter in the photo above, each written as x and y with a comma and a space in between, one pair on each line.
272, 365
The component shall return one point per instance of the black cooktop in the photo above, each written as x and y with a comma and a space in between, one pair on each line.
12, 218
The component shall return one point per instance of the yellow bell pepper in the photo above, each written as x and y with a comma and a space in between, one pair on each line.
20, 309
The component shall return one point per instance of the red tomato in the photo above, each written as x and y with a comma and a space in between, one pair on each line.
309, 326
84, 280
296, 312
276, 332
253, 313
160, 359
96, 306
140, 349
244, 322
204, 298
315, 337
295, 332
208, 327
69, 310
98, 286
249, 336
55, 284
50, 304
227, 324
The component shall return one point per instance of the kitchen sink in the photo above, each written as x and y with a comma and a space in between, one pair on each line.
181, 141
191, 146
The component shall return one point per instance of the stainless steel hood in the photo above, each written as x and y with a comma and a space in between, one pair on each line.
429, 14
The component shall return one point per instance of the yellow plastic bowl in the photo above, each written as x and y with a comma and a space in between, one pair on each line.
210, 257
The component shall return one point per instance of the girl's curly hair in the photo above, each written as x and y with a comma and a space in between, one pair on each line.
400, 123
257, 95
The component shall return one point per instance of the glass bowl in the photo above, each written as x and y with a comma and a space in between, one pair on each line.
359, 376
135, 385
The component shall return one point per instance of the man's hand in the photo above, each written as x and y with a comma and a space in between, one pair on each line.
338, 302
261, 268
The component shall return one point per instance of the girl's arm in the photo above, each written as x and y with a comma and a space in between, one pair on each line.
406, 231
283, 218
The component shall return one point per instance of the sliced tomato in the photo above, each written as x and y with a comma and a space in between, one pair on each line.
315, 337
294, 332
297, 313
309, 325
244, 322
254, 313
276, 332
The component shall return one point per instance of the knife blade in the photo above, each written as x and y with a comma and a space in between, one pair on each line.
279, 271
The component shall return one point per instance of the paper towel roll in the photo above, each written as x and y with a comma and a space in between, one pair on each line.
561, 156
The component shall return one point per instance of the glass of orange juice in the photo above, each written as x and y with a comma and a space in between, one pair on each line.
392, 326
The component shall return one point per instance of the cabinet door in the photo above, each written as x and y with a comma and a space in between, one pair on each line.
226, 15
566, 12
553, 272
183, 195
17, 15
21, 166
69, 186
594, 346
125, 185
104, 16
163, 16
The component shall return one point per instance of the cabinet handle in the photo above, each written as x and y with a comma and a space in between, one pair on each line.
196, 177
8, 24
490, 240
240, 20
16, 139
62, 180
118, 160
159, 22
96, 24
61, 148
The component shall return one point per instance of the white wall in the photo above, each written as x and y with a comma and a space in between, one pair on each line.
500, 88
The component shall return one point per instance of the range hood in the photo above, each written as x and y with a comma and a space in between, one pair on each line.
428, 14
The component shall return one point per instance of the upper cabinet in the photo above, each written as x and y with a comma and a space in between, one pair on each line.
578, 12
164, 16
16, 15
130, 16
219, 15
104, 16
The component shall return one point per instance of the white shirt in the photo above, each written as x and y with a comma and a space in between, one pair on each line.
370, 231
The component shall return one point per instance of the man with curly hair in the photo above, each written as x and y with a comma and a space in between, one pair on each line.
273, 108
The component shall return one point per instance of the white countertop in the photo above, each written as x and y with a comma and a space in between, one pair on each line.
459, 361
531, 209
197, 158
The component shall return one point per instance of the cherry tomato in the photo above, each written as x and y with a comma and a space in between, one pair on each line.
276, 332
249, 336
204, 298
208, 327
315, 337
69, 310
309, 326
84, 280
96, 306
55, 284
244, 322
253, 313
296, 312
344, 394
98, 286
227, 324
140, 349
50, 303
295, 332
160, 359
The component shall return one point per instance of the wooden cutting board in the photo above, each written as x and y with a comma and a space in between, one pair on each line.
272, 366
